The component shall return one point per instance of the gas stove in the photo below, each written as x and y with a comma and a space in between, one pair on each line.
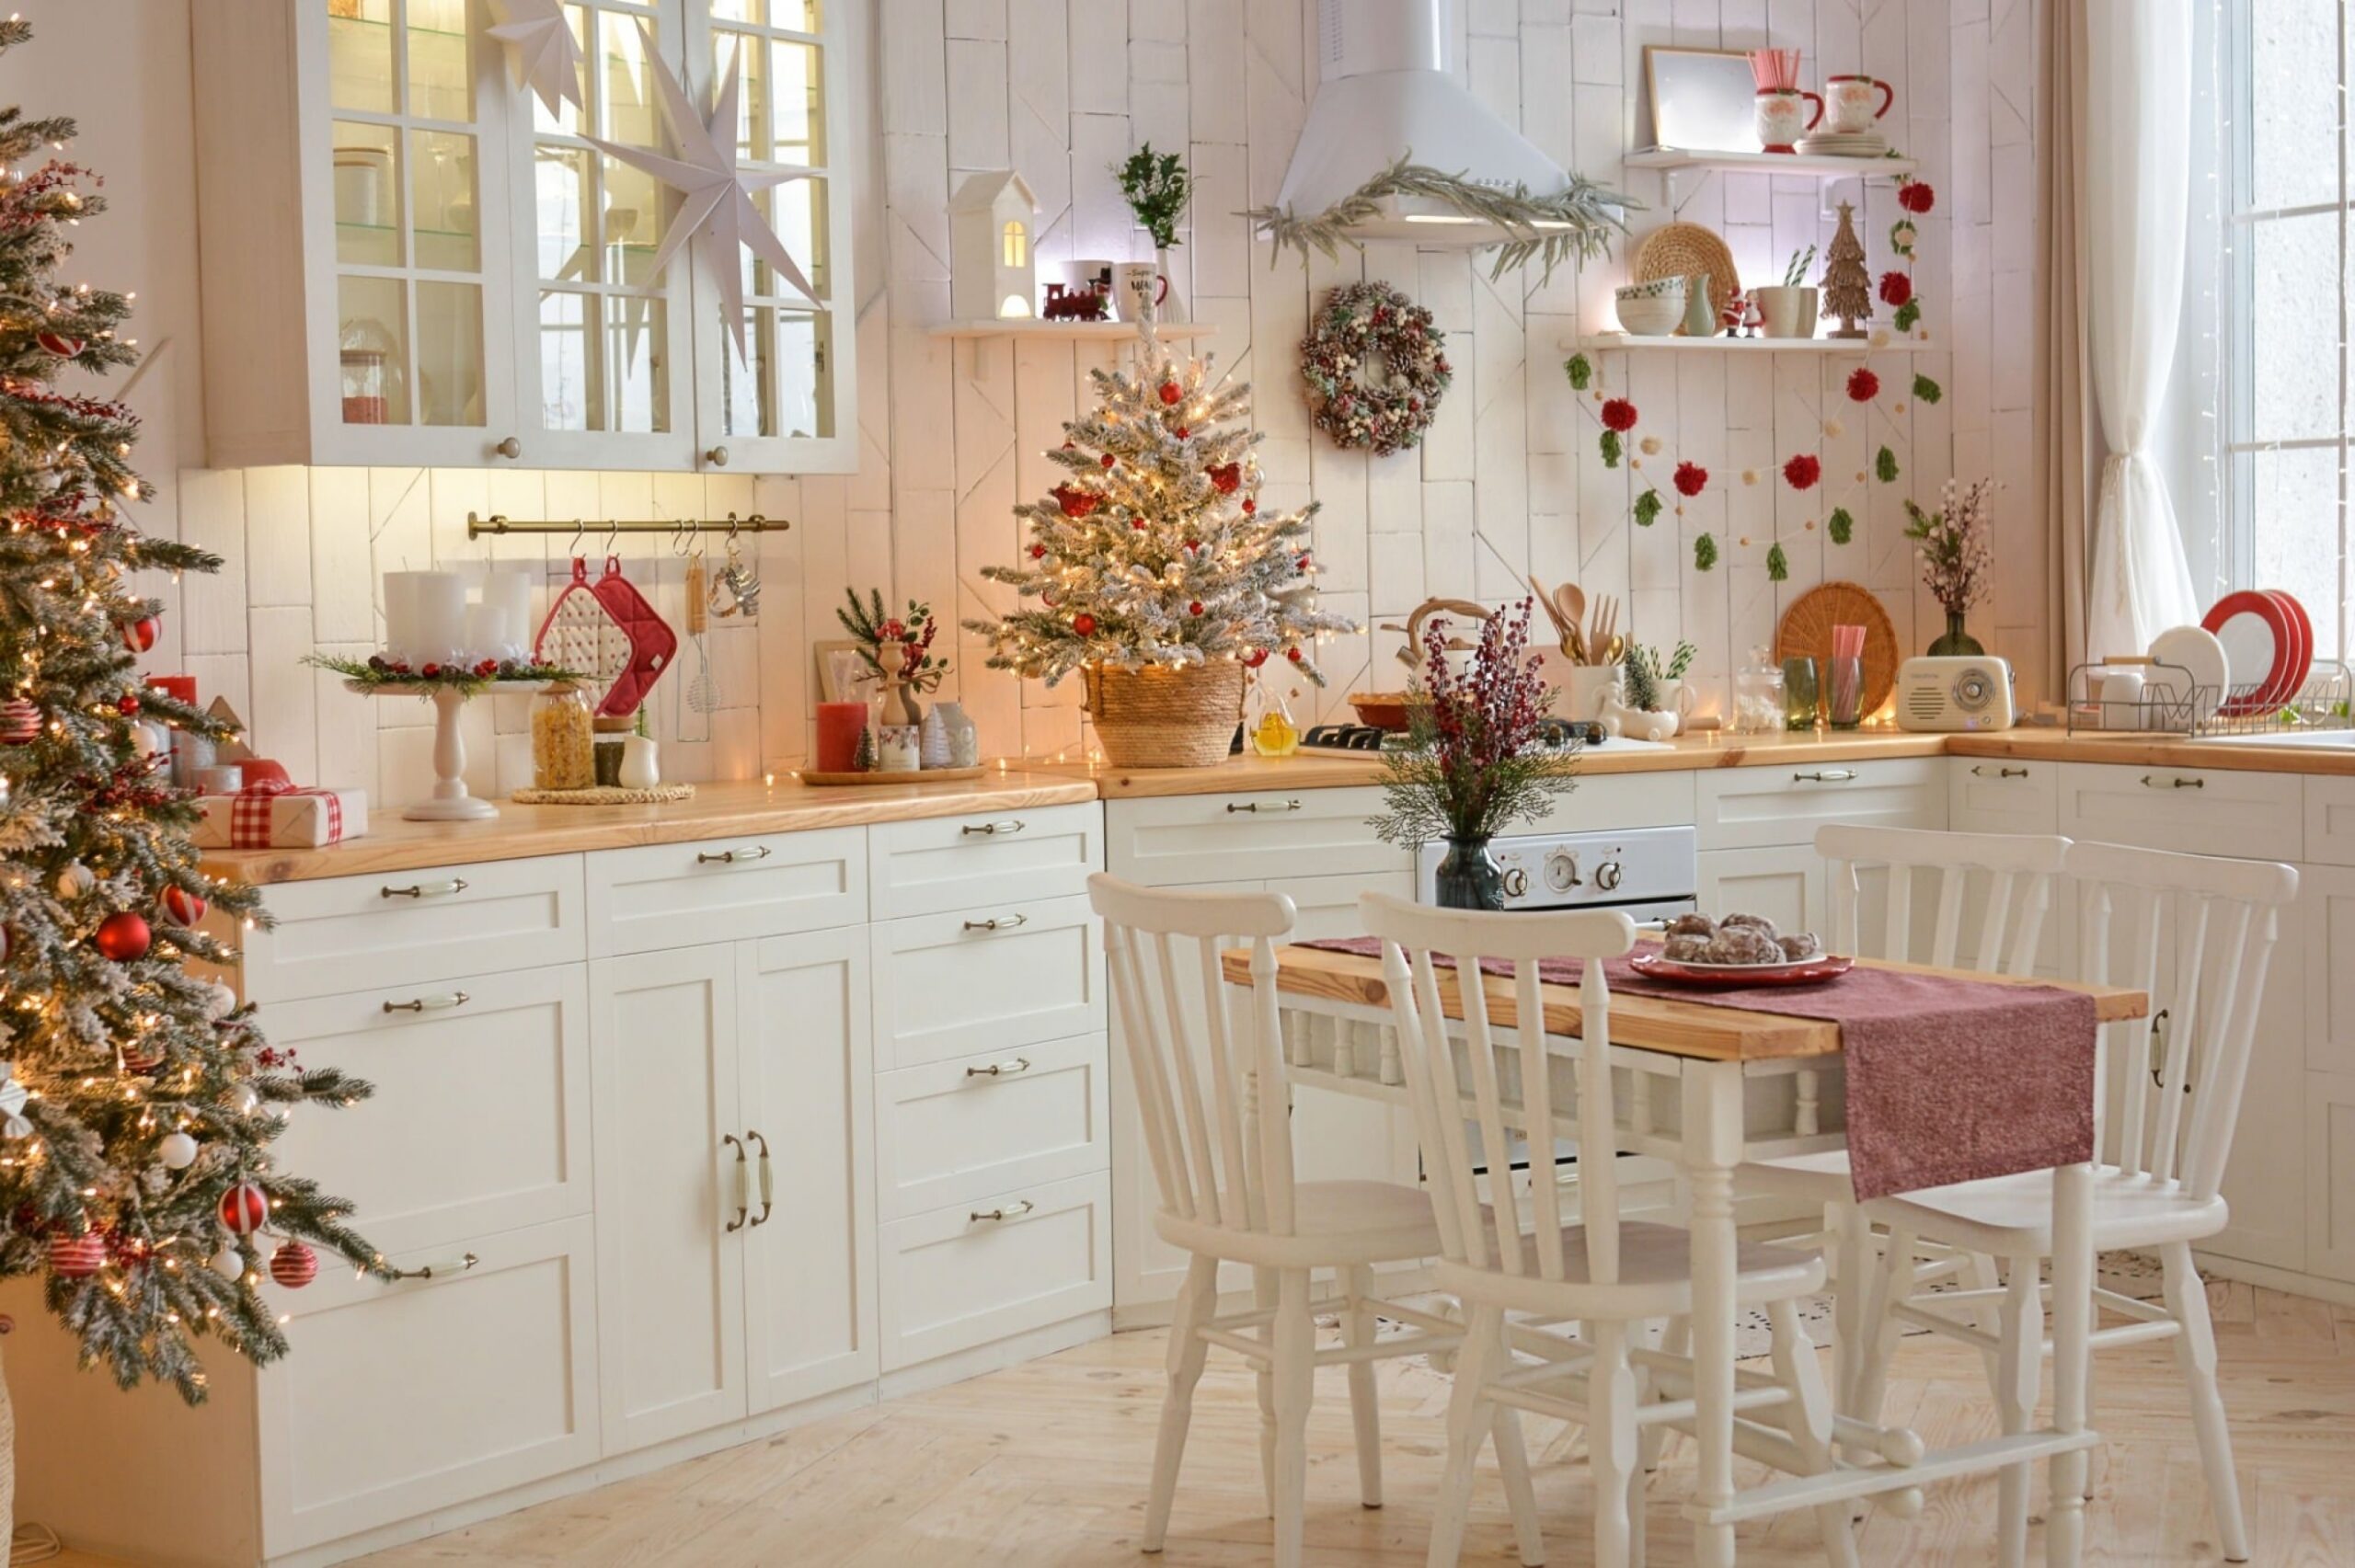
1650, 874
1554, 732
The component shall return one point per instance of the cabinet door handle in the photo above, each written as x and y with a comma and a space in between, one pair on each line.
1259, 806
990, 829
1000, 1068
730, 857
510, 448
459, 1264
717, 457
743, 1184
2149, 782
1826, 775
1980, 770
768, 1178
998, 923
429, 1003
425, 889
1002, 1212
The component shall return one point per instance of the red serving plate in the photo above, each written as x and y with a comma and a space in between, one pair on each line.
2301, 664
2261, 691
1735, 976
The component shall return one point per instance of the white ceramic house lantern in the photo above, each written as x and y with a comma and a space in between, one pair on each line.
993, 263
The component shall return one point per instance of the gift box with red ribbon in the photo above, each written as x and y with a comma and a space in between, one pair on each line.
268, 814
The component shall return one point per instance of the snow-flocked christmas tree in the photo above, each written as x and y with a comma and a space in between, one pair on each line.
138, 1100
1153, 551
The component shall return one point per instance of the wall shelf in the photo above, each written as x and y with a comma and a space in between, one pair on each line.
1604, 342
1067, 331
1670, 160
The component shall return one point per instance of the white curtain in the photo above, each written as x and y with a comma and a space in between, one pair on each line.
2134, 185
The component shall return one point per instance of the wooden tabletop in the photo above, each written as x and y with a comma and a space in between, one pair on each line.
1694, 1029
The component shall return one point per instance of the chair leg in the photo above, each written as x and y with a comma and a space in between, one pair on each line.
1358, 1328
1807, 1419
1294, 1376
1676, 1339
1520, 1492
2020, 1366
1470, 1417
2195, 1350
1196, 1303
1988, 1319
1852, 1285
1263, 1297
1610, 1438
1892, 1285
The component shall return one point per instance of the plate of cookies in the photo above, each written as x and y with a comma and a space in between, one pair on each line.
1739, 950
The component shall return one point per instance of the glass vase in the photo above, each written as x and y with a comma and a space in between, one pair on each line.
1469, 876
1957, 641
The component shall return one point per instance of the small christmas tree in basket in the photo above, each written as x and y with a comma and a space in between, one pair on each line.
1153, 571
1847, 282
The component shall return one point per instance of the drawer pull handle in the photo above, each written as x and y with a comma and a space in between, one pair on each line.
2151, 783
1000, 1068
1980, 770
425, 889
990, 829
1826, 775
1259, 806
1002, 1212
429, 1003
998, 923
730, 857
768, 1178
459, 1264
743, 1184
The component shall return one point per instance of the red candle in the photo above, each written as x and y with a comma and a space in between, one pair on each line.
838, 727
180, 686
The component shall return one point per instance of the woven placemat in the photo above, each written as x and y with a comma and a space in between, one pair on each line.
1679, 250
604, 795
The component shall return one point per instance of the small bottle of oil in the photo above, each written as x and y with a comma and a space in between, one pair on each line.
1272, 731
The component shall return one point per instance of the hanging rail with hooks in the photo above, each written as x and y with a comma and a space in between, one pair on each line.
498, 522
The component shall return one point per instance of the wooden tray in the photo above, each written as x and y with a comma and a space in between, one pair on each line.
928, 775
1806, 630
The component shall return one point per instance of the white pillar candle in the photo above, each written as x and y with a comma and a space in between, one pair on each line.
441, 617
510, 588
488, 633
400, 614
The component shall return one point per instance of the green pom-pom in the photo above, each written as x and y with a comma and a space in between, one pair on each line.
1908, 314
1704, 552
1885, 466
1647, 509
1778, 566
1580, 370
1926, 390
1610, 444
1840, 526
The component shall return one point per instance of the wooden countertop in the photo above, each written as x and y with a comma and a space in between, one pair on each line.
718, 810
2160, 751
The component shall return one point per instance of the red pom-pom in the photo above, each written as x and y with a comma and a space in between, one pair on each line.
1803, 471
1896, 288
139, 635
19, 721
1195, 608
1862, 385
123, 936
293, 1265
126, 704
1228, 478
77, 1257
1691, 478
184, 907
1255, 659
1915, 195
243, 1207
1293, 654
57, 343
1171, 392
1619, 414
1084, 623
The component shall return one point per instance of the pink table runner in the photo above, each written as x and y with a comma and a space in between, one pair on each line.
1948, 1079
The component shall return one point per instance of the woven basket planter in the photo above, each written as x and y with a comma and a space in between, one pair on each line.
1175, 718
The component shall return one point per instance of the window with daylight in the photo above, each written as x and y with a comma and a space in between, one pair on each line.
2286, 269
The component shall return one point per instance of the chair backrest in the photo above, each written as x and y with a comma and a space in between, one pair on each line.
1203, 1069
1437, 1065
2013, 872
2197, 932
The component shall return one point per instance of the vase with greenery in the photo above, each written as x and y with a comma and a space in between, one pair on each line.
1473, 763
1158, 188
1651, 679
1956, 561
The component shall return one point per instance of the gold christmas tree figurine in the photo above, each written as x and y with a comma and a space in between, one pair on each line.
1847, 283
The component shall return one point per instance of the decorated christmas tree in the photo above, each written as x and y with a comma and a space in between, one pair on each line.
138, 1102
1153, 551
1847, 283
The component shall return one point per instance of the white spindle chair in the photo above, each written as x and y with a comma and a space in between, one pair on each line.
1610, 1278
2196, 934
1209, 1084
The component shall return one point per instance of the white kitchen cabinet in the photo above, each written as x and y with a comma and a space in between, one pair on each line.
2330, 820
1989, 794
955, 1131
2325, 922
2192, 810
1015, 1261
725, 889
1189, 840
2330, 1174
993, 979
1783, 882
936, 863
1785, 803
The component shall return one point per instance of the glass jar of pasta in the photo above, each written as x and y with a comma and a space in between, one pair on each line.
560, 738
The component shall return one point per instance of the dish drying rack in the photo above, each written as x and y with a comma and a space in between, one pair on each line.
2172, 703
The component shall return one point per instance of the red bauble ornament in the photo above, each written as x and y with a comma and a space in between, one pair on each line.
1862, 385
19, 722
1084, 623
1801, 471
1183, 432
1249, 507
244, 1208
59, 344
1303, 562
184, 907
1916, 196
126, 704
1619, 414
77, 1257
431, 670
1896, 288
1293, 654
1074, 502
1037, 552
1228, 478
1690, 479
293, 1265
139, 636
1137, 523
1195, 608
1110, 460
1171, 392
123, 936
1255, 659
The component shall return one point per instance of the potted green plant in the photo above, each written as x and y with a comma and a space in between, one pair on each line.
1158, 188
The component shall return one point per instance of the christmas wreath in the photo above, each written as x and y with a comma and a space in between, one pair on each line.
1376, 366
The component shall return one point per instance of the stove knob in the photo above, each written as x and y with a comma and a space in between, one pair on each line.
1606, 875
1516, 882
1561, 871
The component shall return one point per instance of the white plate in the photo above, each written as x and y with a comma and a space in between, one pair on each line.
2196, 650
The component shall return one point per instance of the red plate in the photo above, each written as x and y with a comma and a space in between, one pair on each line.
2302, 664
1735, 976
2260, 646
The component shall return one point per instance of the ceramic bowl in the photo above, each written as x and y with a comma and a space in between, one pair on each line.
1653, 309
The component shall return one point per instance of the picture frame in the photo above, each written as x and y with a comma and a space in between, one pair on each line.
843, 674
1703, 100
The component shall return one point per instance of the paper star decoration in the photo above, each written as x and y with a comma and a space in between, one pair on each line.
541, 50
718, 194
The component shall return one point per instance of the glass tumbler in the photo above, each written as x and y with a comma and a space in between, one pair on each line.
1801, 695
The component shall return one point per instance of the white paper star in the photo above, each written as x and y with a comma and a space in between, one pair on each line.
719, 195
541, 50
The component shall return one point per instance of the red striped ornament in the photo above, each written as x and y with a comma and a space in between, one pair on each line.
293, 1265
184, 907
139, 636
77, 1257
19, 721
243, 1207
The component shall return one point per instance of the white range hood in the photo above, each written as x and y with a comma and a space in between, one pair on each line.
1383, 92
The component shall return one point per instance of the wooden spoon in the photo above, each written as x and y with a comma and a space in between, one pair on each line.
1545, 603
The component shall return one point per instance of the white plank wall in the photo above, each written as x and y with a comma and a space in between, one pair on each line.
1508, 482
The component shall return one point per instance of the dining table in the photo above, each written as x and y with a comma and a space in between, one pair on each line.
1692, 1066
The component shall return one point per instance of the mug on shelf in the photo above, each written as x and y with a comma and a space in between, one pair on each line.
1137, 287
1781, 119
1849, 103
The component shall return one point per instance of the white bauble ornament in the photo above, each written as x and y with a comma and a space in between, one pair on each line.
76, 880
245, 1100
229, 1264
219, 1002
177, 1151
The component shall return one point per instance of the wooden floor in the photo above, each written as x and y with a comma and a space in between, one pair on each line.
1044, 1466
